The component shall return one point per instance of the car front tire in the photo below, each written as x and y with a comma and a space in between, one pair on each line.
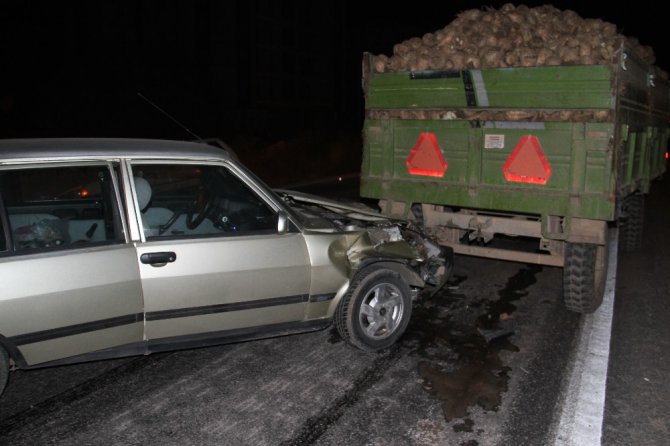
375, 311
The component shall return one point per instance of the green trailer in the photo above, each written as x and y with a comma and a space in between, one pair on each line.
560, 154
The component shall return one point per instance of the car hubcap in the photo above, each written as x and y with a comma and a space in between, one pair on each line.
381, 311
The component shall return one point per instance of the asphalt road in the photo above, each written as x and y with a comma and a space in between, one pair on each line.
638, 394
442, 384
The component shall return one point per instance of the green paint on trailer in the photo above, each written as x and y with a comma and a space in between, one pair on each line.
611, 143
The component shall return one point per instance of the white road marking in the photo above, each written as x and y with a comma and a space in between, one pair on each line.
581, 417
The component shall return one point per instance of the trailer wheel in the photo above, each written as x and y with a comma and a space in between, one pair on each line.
375, 311
584, 276
630, 232
4, 369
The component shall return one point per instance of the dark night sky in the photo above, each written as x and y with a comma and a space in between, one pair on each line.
74, 69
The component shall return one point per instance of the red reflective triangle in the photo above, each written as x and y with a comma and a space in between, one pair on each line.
426, 157
527, 162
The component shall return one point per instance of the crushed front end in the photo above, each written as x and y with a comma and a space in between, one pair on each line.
369, 237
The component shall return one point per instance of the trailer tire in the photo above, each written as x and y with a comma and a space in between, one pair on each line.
630, 232
4, 369
584, 276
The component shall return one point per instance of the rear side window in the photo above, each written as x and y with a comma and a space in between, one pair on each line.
60, 207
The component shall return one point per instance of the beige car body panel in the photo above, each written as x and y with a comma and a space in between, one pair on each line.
221, 275
328, 273
203, 289
66, 289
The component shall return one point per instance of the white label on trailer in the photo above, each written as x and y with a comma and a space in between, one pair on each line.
494, 141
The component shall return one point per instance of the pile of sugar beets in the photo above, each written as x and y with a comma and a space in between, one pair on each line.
514, 36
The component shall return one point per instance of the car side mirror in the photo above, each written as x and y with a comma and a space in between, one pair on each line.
282, 222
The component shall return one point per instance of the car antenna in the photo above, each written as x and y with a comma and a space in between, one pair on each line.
150, 102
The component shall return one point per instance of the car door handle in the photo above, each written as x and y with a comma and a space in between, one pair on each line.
158, 258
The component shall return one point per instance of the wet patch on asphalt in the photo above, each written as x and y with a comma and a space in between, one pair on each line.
459, 340
334, 336
515, 289
465, 426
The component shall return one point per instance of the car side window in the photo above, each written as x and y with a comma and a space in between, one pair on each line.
60, 207
198, 200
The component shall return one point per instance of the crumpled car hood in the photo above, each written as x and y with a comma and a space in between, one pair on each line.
354, 210
370, 236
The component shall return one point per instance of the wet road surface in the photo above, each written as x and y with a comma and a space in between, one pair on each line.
444, 383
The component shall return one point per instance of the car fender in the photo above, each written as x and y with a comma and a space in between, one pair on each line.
411, 277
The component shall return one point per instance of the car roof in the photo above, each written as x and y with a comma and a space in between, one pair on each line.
64, 148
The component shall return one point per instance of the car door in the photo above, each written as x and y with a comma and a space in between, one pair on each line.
70, 281
212, 261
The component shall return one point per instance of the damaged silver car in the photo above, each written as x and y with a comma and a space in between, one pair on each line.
113, 248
